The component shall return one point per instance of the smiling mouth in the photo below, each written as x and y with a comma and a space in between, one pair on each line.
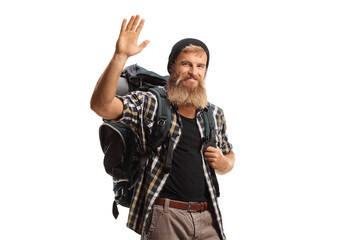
191, 79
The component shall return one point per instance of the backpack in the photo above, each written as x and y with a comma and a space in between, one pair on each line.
123, 159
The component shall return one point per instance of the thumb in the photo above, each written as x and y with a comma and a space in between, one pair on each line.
144, 44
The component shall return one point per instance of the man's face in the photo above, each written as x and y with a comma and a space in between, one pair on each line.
186, 84
190, 68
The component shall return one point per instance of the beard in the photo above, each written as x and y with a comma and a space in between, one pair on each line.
181, 95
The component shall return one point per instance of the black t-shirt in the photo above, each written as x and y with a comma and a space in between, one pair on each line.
186, 181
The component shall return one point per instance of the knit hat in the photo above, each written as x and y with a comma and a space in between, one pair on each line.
179, 46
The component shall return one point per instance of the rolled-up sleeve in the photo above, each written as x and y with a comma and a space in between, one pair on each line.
223, 139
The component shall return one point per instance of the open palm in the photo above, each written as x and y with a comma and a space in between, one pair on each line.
129, 34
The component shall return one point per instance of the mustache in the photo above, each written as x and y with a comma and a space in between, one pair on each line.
187, 76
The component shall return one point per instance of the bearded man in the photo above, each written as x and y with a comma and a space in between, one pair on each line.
182, 203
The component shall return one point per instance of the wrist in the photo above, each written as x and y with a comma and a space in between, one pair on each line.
228, 164
118, 61
120, 57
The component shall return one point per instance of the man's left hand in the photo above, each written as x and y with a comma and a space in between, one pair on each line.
216, 158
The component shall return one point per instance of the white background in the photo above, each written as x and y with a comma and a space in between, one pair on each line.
286, 74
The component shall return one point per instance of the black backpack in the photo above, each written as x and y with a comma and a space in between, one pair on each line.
123, 159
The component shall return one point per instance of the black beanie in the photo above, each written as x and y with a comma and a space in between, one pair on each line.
180, 45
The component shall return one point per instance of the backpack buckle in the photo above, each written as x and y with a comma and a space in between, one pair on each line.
161, 122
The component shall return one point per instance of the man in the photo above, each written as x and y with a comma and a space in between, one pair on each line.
181, 204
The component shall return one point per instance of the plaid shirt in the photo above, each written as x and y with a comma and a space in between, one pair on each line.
139, 111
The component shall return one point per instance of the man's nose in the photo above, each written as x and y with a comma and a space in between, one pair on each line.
193, 71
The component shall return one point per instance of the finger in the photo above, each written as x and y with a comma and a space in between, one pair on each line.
131, 22
208, 152
144, 44
210, 148
141, 24
210, 156
123, 25
210, 160
135, 23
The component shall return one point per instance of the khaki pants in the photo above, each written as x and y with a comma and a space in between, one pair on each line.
167, 223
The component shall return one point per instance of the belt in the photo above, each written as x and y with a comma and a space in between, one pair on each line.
189, 206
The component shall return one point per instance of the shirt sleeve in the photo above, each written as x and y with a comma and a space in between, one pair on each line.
223, 139
138, 113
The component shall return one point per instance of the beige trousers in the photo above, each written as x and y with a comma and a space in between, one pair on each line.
167, 223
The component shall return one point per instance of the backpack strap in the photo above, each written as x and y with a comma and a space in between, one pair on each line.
210, 141
162, 125
210, 134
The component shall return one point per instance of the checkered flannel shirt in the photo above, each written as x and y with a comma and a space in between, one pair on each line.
139, 111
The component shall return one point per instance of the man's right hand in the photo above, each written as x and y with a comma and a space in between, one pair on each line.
103, 100
126, 45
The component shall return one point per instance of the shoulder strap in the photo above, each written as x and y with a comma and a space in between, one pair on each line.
162, 125
210, 140
163, 118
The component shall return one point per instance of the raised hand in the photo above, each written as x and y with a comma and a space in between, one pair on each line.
103, 100
127, 43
